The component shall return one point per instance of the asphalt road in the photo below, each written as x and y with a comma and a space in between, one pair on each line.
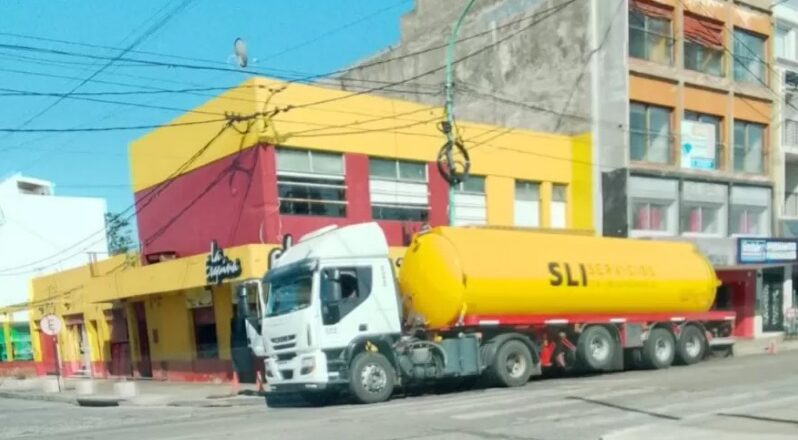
752, 397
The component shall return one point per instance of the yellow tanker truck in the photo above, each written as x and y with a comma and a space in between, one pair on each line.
499, 303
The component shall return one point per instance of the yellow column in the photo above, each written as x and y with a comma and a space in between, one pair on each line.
132, 333
545, 204
223, 312
580, 191
500, 196
35, 342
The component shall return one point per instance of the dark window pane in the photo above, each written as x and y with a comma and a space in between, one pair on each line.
419, 214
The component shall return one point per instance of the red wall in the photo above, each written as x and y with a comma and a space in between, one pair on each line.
743, 299
234, 201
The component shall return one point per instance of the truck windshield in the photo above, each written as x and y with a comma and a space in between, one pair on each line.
288, 292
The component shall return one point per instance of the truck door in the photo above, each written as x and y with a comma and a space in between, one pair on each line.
347, 306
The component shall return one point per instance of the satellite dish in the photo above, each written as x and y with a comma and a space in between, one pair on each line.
240, 52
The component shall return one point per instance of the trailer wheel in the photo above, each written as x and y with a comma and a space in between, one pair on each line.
659, 349
691, 346
371, 378
596, 348
512, 366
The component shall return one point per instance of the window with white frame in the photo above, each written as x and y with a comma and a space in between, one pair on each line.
750, 211
703, 208
785, 42
526, 210
311, 183
469, 202
653, 206
558, 214
398, 190
650, 215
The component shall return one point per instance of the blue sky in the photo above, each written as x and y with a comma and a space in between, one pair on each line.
315, 36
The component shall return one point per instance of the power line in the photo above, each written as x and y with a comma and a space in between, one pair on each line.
112, 128
550, 12
136, 207
300, 79
107, 101
333, 31
150, 31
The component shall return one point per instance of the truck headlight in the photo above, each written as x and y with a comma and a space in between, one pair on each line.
308, 365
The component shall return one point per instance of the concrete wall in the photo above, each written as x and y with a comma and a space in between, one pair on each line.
538, 62
36, 227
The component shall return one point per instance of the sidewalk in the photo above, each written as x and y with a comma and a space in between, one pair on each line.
748, 347
104, 392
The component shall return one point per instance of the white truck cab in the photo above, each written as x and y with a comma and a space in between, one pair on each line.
334, 289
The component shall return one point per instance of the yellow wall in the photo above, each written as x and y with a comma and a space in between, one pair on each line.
371, 123
168, 315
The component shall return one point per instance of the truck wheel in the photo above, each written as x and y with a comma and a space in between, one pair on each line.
371, 378
659, 349
512, 366
596, 348
691, 346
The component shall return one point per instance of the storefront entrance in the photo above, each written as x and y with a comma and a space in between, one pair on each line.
770, 300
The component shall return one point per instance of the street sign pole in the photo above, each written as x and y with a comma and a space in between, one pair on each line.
57, 362
51, 325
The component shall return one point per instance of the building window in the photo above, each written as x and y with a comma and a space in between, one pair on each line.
650, 32
717, 123
749, 56
785, 42
526, 210
650, 133
790, 132
559, 206
311, 183
749, 140
703, 45
699, 219
749, 213
747, 220
469, 202
398, 190
207, 344
650, 216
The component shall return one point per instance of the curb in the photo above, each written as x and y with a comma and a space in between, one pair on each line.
38, 397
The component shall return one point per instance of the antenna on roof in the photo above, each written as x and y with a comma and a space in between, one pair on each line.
240, 52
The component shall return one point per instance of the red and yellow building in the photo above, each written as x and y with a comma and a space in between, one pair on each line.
329, 157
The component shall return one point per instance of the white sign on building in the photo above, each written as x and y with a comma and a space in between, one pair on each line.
698, 145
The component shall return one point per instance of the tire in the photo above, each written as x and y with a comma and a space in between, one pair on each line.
512, 365
659, 349
596, 348
691, 346
371, 378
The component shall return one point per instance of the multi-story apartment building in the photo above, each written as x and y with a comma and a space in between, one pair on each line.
36, 226
677, 95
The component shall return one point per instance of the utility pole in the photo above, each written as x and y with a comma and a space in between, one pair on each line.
449, 108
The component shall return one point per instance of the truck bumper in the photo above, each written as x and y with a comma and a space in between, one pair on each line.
303, 372
292, 388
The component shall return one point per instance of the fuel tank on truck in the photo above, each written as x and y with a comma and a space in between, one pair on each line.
451, 271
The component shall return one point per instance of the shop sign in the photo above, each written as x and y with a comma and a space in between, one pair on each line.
219, 267
766, 250
698, 145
